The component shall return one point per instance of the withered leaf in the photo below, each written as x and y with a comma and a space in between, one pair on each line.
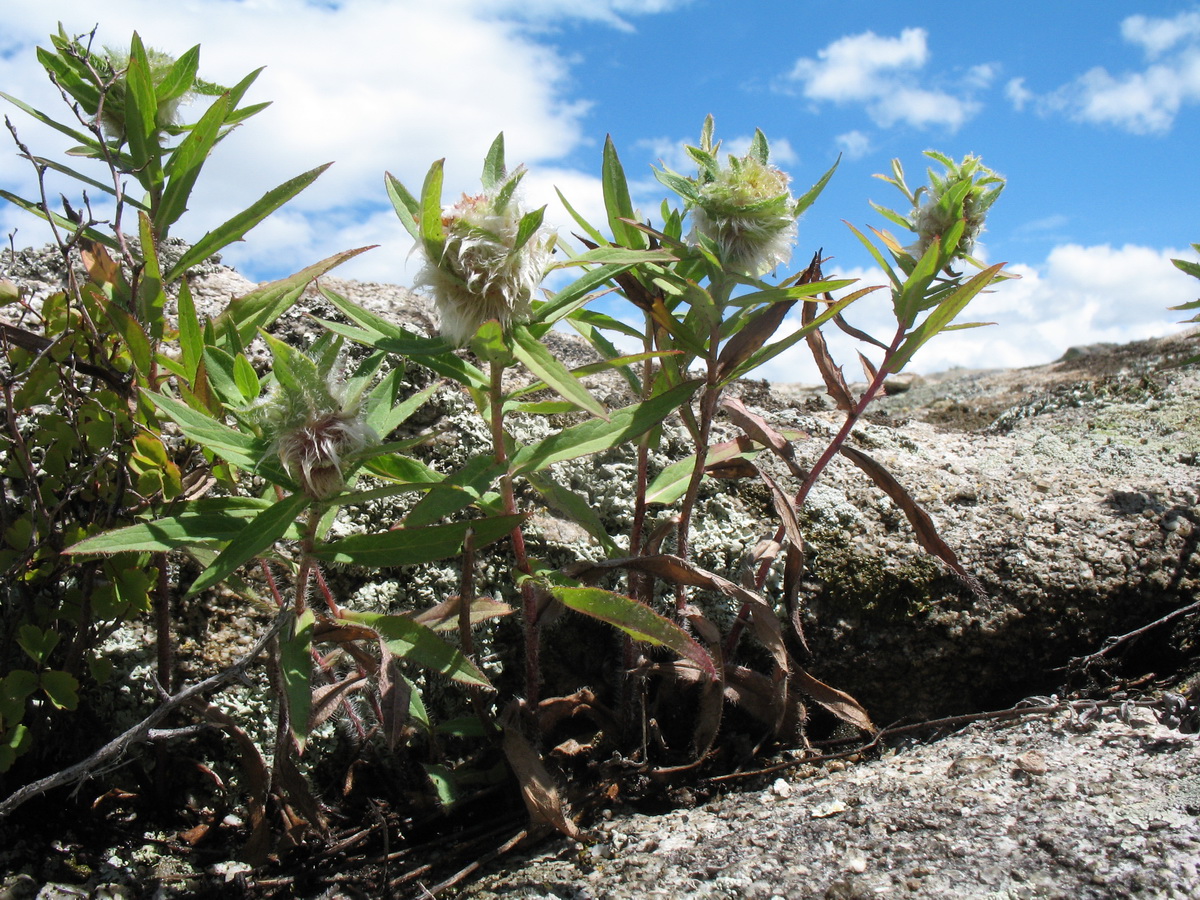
923, 527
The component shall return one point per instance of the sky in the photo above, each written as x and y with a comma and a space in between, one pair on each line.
1094, 119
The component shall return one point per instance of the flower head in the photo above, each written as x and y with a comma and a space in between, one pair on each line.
113, 112
964, 194
492, 261
748, 212
314, 422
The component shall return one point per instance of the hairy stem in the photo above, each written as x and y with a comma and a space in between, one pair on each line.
529, 600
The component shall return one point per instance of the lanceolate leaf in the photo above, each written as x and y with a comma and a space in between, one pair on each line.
941, 317
679, 571
616, 199
672, 482
637, 620
255, 538
408, 210
235, 228
926, 531
840, 704
623, 426
410, 546
262, 306
242, 450
204, 523
295, 665
544, 365
410, 640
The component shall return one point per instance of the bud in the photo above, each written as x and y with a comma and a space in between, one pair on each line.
312, 420
965, 193
492, 262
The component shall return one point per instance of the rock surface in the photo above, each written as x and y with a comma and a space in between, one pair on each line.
1072, 493
1051, 807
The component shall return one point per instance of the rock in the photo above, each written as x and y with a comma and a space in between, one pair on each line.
1111, 811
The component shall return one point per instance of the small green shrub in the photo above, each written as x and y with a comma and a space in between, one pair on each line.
133, 440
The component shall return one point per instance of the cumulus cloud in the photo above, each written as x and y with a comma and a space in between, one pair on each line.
1077, 296
855, 144
880, 73
374, 84
1140, 101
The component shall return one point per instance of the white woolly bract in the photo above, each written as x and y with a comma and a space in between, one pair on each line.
314, 452
747, 211
480, 275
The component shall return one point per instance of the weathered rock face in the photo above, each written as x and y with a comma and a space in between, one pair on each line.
1075, 506
1069, 490
1038, 808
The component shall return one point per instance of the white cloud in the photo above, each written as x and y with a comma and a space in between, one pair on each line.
1142, 101
1017, 93
855, 144
1077, 296
374, 84
880, 73
1156, 36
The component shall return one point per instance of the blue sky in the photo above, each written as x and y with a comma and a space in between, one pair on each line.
1093, 117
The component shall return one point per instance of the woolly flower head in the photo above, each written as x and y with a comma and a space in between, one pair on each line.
114, 111
314, 422
964, 194
748, 212
492, 261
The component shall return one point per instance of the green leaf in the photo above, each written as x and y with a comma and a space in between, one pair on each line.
182, 75
383, 416
672, 482
186, 161
235, 228
246, 378
493, 165
590, 437
410, 546
255, 538
265, 304
204, 523
242, 450
295, 666
941, 317
15, 689
433, 233
408, 210
15, 743
191, 338
595, 236
527, 228
542, 363
133, 335
815, 191
574, 505
36, 643
62, 688
412, 641
141, 113
616, 199
637, 620
61, 222
456, 491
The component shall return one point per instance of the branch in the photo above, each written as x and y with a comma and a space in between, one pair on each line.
144, 730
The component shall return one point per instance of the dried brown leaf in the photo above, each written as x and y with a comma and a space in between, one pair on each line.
837, 702
926, 532
542, 799
831, 372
